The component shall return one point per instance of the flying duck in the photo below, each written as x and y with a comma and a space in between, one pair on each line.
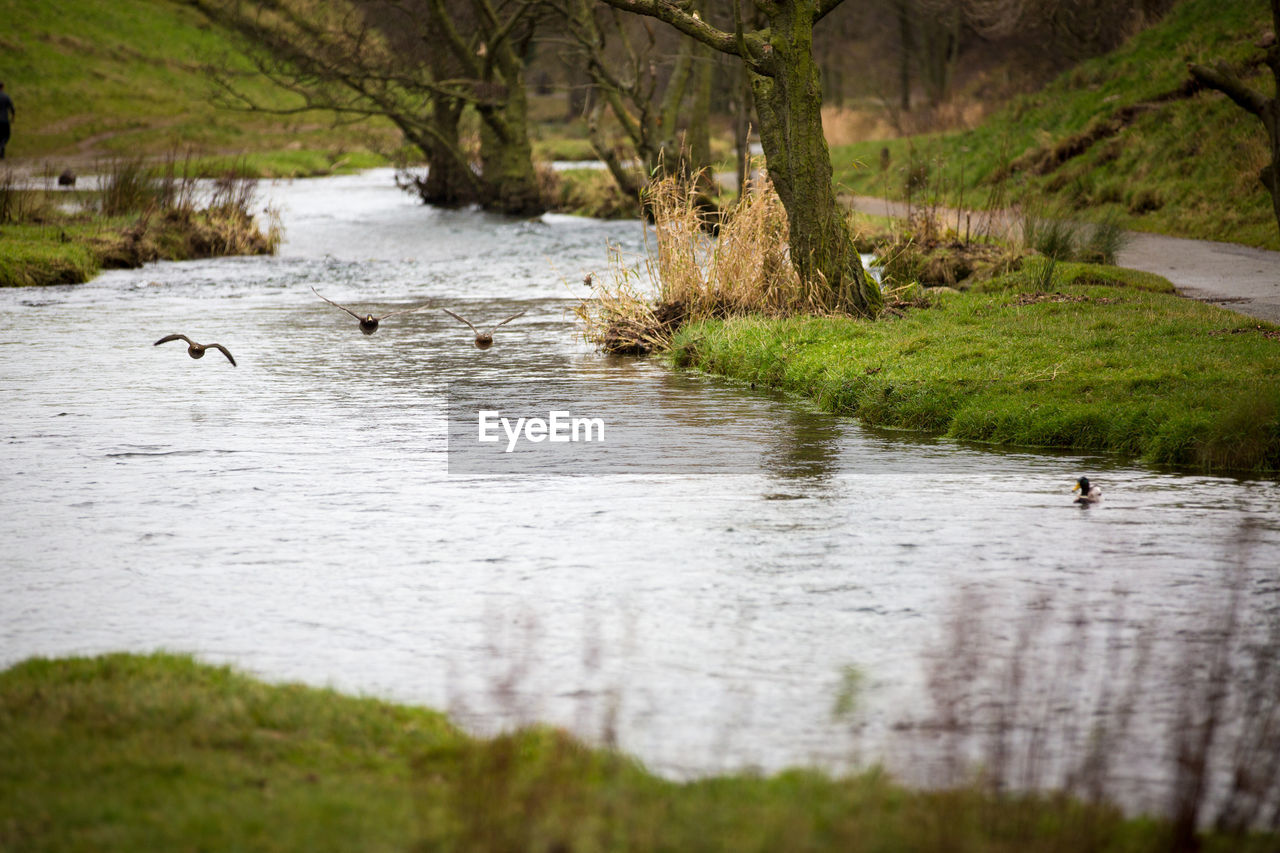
194, 349
1088, 494
368, 323
484, 340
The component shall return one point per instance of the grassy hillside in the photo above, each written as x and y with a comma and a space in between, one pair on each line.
157, 752
93, 79
1155, 160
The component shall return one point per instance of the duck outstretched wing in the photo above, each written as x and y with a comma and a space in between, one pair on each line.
225, 352
336, 305
512, 317
461, 319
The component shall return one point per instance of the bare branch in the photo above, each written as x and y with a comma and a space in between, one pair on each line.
824, 8
1218, 77
691, 24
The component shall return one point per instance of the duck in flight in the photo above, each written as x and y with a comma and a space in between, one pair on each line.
484, 340
368, 323
194, 349
1088, 494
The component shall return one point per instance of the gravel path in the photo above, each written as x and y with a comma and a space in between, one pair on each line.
1238, 278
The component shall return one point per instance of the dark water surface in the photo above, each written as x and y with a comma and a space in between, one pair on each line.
295, 516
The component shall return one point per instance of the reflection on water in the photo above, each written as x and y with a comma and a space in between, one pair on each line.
295, 515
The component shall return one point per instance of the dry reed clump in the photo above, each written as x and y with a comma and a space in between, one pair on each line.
175, 223
742, 268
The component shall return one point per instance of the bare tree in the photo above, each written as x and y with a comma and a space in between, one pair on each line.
788, 97
625, 60
407, 61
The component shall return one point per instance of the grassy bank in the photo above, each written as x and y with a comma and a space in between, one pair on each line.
131, 752
1114, 137
1095, 359
32, 255
74, 252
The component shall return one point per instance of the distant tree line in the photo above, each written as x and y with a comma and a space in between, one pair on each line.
910, 52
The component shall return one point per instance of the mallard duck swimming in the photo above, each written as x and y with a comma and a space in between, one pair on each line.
1088, 494
368, 323
484, 340
194, 349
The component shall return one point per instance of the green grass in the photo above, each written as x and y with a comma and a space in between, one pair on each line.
50, 254
1187, 167
133, 753
127, 752
1112, 364
126, 77
1080, 274
291, 163
589, 192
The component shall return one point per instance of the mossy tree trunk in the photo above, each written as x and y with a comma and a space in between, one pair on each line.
1267, 110
789, 105
699, 134
506, 155
491, 53
450, 181
788, 93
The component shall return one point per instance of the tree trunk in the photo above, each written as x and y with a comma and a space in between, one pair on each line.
506, 155
742, 128
1270, 175
939, 38
789, 105
788, 99
904, 54
699, 135
449, 182
626, 178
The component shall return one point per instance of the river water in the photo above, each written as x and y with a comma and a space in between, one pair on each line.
296, 515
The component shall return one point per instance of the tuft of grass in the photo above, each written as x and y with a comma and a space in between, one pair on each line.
18, 204
125, 187
1103, 362
1056, 239
1102, 242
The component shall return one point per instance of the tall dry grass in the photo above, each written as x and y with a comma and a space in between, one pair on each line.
698, 265
180, 217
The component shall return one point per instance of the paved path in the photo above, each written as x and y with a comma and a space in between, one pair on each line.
1236, 277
